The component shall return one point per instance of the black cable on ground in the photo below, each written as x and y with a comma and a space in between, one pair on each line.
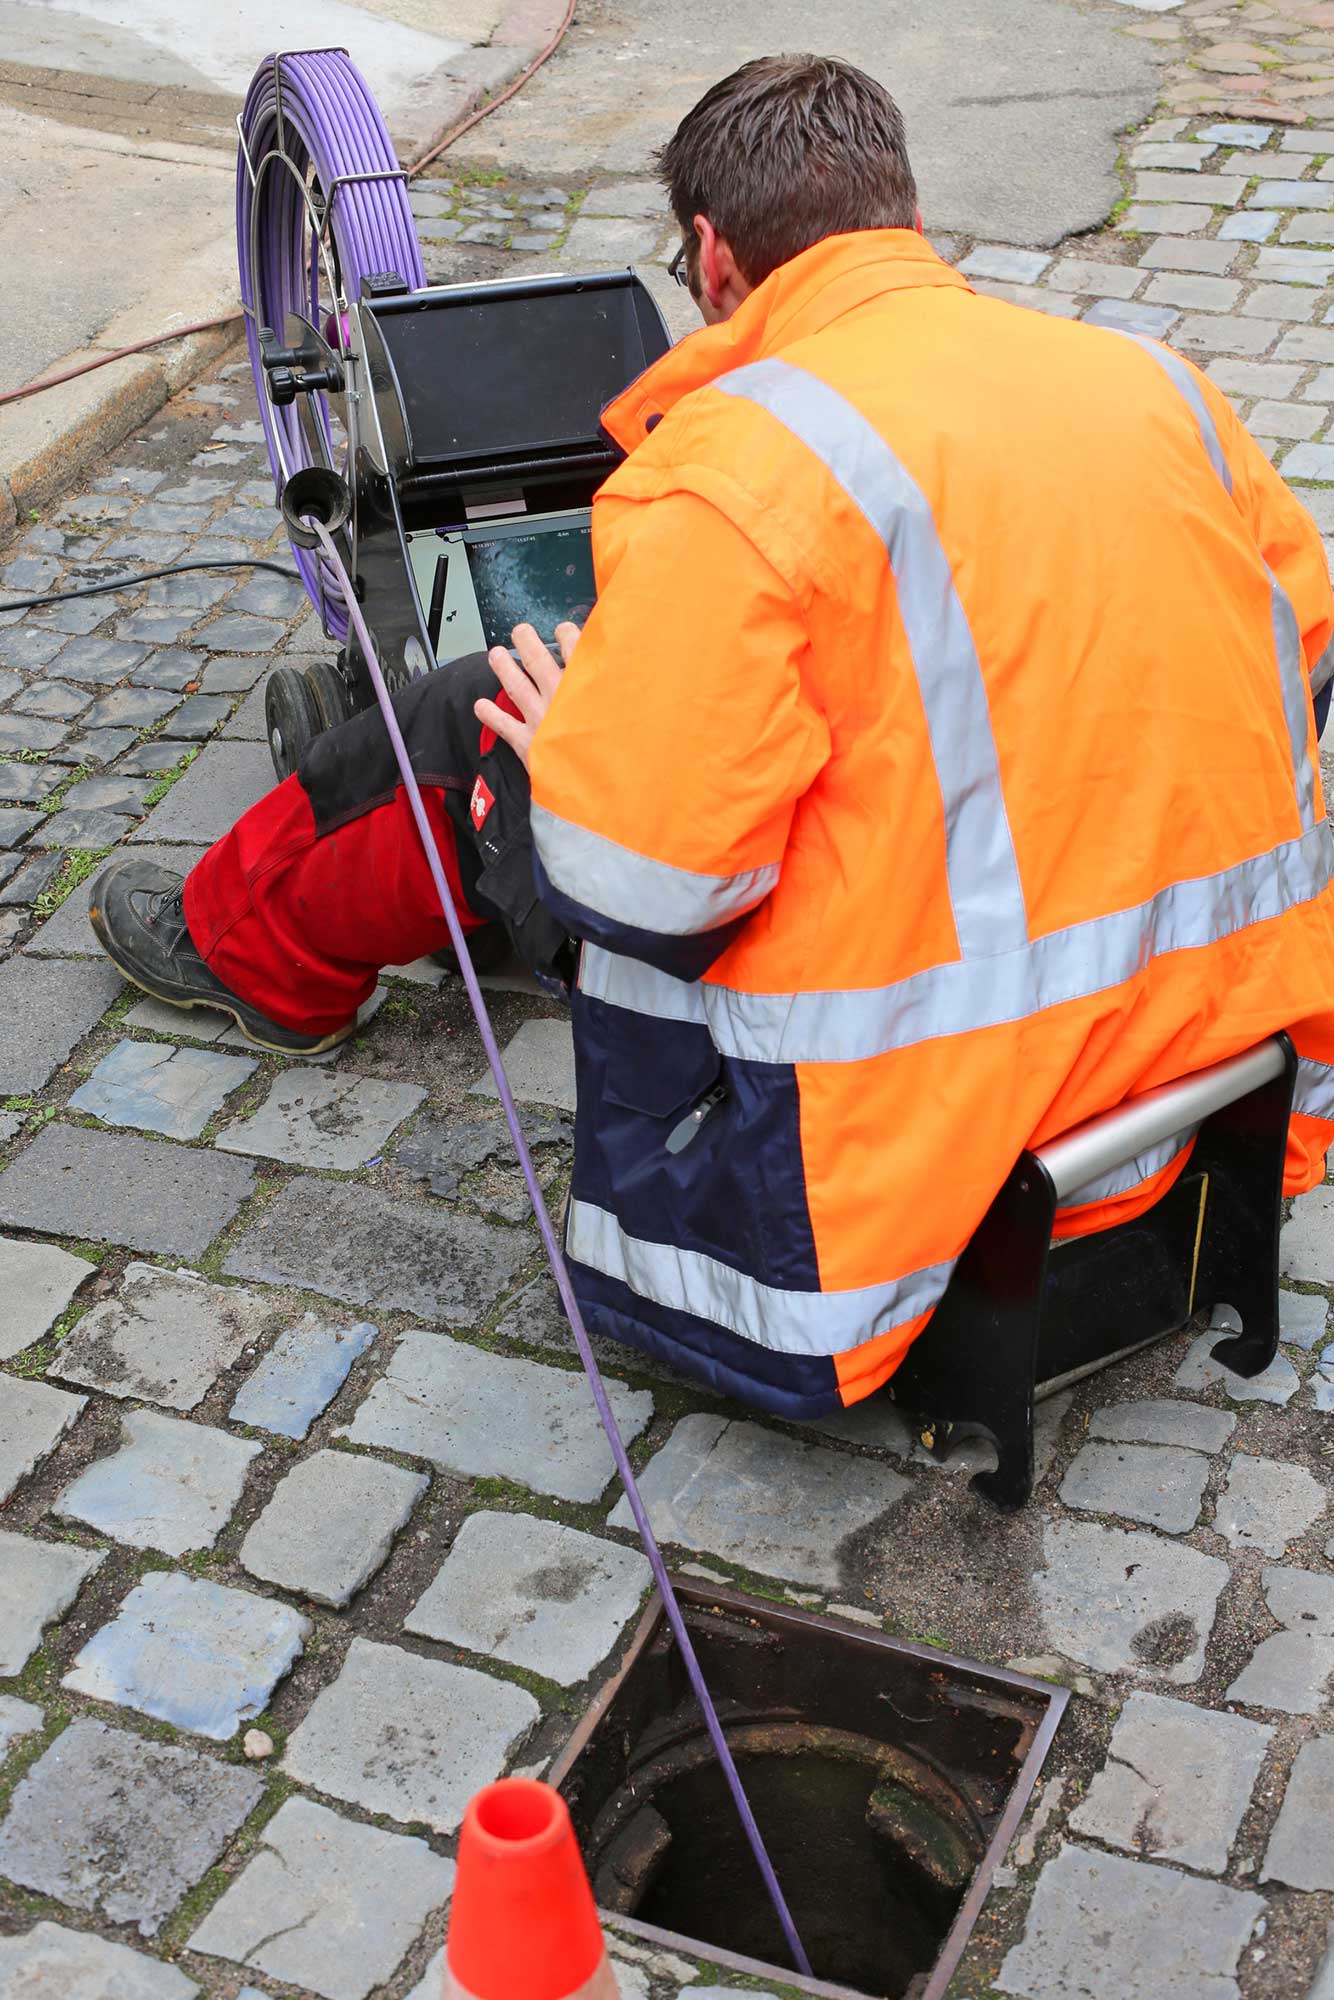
149, 576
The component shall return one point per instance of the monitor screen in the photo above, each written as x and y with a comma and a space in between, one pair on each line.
513, 374
543, 576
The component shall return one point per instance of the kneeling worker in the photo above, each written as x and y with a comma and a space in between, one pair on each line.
936, 769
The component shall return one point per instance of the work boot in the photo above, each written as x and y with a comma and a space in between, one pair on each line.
136, 909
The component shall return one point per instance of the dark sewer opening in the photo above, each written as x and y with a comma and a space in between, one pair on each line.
887, 1780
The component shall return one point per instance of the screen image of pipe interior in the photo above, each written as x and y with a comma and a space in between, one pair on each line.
887, 1779
545, 579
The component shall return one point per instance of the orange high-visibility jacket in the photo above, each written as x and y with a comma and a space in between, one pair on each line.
936, 770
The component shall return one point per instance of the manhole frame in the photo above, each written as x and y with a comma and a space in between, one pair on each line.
859, 1638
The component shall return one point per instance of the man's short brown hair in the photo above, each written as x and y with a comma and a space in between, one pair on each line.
786, 151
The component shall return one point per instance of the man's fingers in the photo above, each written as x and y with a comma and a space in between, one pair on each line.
526, 695
567, 638
537, 660
506, 726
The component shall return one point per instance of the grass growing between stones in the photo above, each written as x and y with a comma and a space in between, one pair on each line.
77, 866
158, 791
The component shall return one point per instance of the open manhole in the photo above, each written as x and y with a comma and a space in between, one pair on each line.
888, 1780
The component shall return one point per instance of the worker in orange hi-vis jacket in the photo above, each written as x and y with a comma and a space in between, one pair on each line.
937, 768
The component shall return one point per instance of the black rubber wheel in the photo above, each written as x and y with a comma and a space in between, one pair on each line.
291, 718
329, 693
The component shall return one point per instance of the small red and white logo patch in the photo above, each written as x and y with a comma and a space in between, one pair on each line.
481, 802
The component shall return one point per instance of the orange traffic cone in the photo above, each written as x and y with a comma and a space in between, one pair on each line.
522, 1925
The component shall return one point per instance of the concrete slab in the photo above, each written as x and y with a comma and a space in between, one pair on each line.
109, 1187
534, 1593
171, 1486
974, 81
330, 1525
33, 1419
196, 1654
327, 1905
155, 1088
37, 1282
300, 1375
107, 1822
38, 1580
165, 1338
1127, 1602
409, 1737
222, 783
46, 1009
1301, 1849
337, 1120
80, 1966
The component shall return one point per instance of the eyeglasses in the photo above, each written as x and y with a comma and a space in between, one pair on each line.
677, 268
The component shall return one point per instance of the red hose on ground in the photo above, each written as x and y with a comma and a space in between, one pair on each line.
226, 319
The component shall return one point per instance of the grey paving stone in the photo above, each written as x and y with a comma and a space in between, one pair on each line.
1302, 1600
165, 1338
431, 1984
641, 198
29, 732
1322, 1986
107, 1822
1288, 1673
167, 517
755, 1497
1126, 1602
1159, 1935
82, 829
1221, 190
51, 1961
444, 1154
1291, 264
1303, 1318
1185, 253
1292, 194
409, 1737
16, 825
312, 1120
1000, 260
1308, 343
118, 794
224, 781
539, 1062
11, 1124
247, 725
1286, 420
99, 662
1277, 1384
1226, 333
38, 1580
1177, 1781
1178, 1423
56, 699
1282, 301
28, 646
1267, 1504
375, 1250
1196, 290
110, 1187
32, 879
145, 548
197, 717
327, 1905
17, 1719
1301, 1848
27, 784
127, 479
174, 668
300, 1375
192, 1024
1185, 154
270, 596
150, 760
171, 1486
535, 1593
68, 934
196, 1654
1059, 305
130, 708
235, 675
157, 1088
1306, 1242
250, 523
1160, 1484
33, 1419
98, 746
1252, 137
239, 632
600, 242
330, 1525
491, 1416
156, 626
46, 1008
37, 1282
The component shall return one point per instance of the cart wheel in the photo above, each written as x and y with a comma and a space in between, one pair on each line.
291, 718
329, 693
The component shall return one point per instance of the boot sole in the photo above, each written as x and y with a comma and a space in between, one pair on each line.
213, 1004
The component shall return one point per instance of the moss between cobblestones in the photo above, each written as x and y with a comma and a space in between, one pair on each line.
190, 1912
158, 791
77, 866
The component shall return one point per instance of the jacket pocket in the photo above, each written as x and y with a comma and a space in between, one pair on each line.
657, 1068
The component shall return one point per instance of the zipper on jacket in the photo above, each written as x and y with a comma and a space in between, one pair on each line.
681, 1135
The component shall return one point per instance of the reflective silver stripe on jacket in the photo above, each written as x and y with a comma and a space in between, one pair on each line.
984, 887
630, 888
1313, 1089
1287, 632
955, 998
1120, 1180
787, 1322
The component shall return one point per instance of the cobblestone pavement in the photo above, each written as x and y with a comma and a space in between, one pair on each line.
307, 1527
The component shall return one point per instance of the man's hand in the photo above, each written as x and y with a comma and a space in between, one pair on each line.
530, 686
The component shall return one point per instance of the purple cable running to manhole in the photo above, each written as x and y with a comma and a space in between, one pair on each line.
556, 1258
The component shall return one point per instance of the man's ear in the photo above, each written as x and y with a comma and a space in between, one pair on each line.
716, 264
917, 223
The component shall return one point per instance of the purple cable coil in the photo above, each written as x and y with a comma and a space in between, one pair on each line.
556, 1258
328, 125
